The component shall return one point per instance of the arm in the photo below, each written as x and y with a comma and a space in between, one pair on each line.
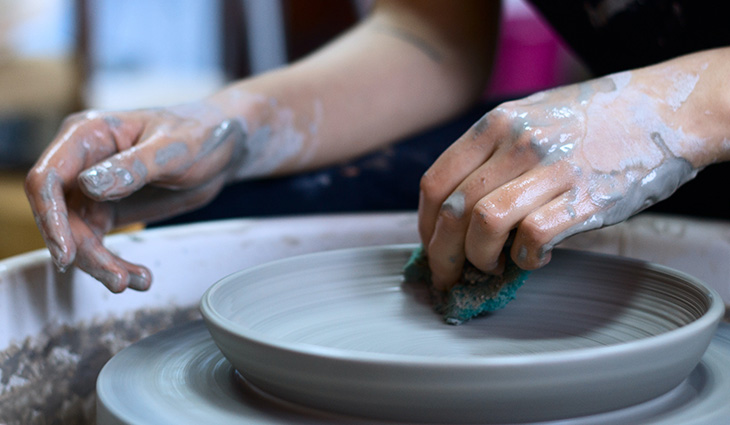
573, 159
408, 65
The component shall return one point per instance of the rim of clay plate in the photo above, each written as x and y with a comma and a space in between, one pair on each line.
709, 319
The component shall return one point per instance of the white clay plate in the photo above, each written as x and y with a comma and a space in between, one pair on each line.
339, 331
179, 377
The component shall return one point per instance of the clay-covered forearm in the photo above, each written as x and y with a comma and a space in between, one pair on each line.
407, 66
686, 104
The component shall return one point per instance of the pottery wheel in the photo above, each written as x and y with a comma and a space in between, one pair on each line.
179, 377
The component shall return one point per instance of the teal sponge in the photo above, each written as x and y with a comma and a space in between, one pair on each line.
474, 295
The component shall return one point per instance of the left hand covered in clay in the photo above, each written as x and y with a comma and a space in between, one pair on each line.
108, 169
569, 160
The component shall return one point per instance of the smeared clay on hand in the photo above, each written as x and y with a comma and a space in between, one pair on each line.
554, 164
105, 170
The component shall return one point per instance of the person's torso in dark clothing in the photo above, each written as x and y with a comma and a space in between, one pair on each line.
618, 35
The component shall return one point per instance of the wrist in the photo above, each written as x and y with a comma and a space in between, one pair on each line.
693, 99
278, 132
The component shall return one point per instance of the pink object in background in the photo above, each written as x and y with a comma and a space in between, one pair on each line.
530, 55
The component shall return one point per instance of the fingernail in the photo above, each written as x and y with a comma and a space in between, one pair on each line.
97, 179
544, 256
522, 254
140, 282
107, 181
455, 204
113, 281
60, 266
59, 256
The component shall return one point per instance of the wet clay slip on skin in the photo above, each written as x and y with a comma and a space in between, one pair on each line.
341, 332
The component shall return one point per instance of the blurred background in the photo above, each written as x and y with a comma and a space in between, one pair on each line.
62, 56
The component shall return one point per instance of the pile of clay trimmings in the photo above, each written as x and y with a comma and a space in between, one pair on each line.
474, 295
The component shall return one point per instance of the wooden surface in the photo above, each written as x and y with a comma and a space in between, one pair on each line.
18, 232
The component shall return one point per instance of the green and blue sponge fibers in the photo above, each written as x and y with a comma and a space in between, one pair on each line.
475, 294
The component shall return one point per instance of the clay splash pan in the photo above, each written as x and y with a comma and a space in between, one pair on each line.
340, 331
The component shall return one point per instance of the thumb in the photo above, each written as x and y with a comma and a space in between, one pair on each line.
116, 177
164, 160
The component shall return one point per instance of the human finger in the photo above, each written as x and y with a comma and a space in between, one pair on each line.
495, 215
91, 220
176, 159
83, 138
440, 181
446, 249
46, 197
568, 214
95, 259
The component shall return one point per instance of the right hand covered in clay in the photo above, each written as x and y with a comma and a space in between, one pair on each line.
107, 169
569, 160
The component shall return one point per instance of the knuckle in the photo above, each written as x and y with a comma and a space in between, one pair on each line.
73, 119
504, 110
483, 124
38, 182
108, 118
511, 122
33, 181
85, 121
82, 117
534, 233
523, 143
499, 118
429, 187
488, 218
